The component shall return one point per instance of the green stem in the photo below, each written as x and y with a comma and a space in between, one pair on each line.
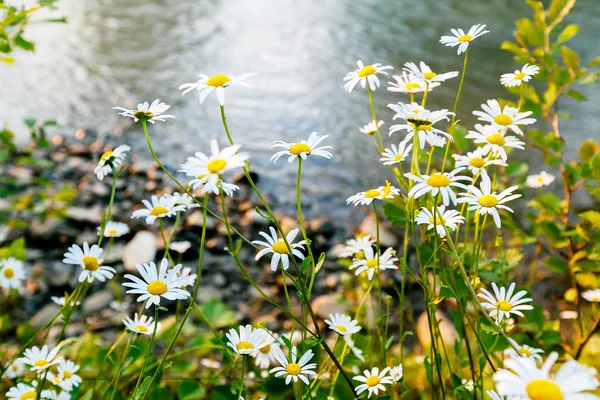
378, 277
114, 384
137, 385
110, 206
165, 241
380, 146
243, 370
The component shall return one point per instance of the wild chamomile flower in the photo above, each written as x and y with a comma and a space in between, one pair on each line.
396, 373
185, 200
358, 353
356, 247
370, 264
157, 283
61, 301
187, 273
109, 160
88, 258
495, 141
365, 74
141, 324
40, 359
523, 379
436, 140
12, 273
66, 376
381, 193
504, 118
407, 83
416, 116
266, 354
443, 218
343, 324
15, 370
303, 149
592, 296
438, 183
370, 128
495, 396
425, 73
524, 351
276, 246
539, 180
210, 363
22, 391
54, 395
216, 83
373, 381
475, 161
248, 340
115, 229
295, 369
395, 155
519, 76
484, 201
461, 39
180, 247
165, 206
502, 303
147, 112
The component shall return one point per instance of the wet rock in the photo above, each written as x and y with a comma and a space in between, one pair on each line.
209, 293
58, 274
447, 330
219, 279
96, 302
195, 219
323, 226
141, 249
44, 230
217, 245
241, 178
387, 237
86, 214
114, 253
251, 217
329, 304
43, 316
100, 189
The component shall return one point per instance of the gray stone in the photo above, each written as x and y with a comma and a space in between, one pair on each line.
84, 214
209, 293
43, 316
96, 302
114, 253
329, 304
141, 249
195, 219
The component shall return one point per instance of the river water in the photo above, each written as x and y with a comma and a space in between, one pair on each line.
120, 52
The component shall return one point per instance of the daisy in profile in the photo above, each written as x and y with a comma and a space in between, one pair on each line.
356, 247
425, 73
504, 118
15, 370
523, 379
114, 229
593, 296
266, 354
406, 83
358, 353
276, 246
111, 160
210, 363
248, 340
163, 207
147, 112
22, 391
187, 273
88, 258
476, 162
396, 373
12, 273
343, 324
54, 395
141, 324
495, 396
523, 75
40, 359
395, 155
61, 301
438, 183
436, 140
365, 74
216, 83
461, 39
157, 283
185, 200
303, 149
295, 369
370, 263
416, 116
495, 141
370, 128
485, 201
444, 219
381, 193
503, 303
539, 180
373, 381
524, 351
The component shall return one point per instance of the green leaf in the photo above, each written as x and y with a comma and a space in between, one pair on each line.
559, 9
556, 265
574, 94
190, 390
143, 388
394, 214
593, 217
529, 32
512, 47
570, 58
24, 44
568, 33
588, 150
218, 313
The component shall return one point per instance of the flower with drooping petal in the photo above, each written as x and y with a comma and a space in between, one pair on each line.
266, 354
295, 369
475, 161
373, 381
185, 200
503, 303
12, 273
370, 263
356, 247
358, 353
406, 83
147, 112
524, 351
592, 296
141, 324
187, 273
370, 128
302, 149
495, 396
40, 359
276, 246
443, 218
365, 74
539, 180
396, 373
395, 155
61, 301
415, 117
461, 39
438, 183
109, 160
495, 141
505, 118
216, 83
248, 340
115, 229
381, 193
163, 207
425, 73
88, 258
343, 324
519, 76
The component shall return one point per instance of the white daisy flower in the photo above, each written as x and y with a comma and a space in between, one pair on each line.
475, 161
12, 273
539, 180
396, 373
435, 140
22, 391
373, 381
495, 141
485, 201
216, 83
61, 301
295, 370
414, 115
185, 200
395, 155
115, 229
276, 246
443, 218
425, 73
370, 128
162, 207
495, 396
356, 247
157, 283
504, 118
407, 83
524, 351
186, 272
248, 341
109, 160
358, 353
592, 296
303, 149
180, 247
370, 262
438, 183
519, 76
40, 359
88, 258
149, 112
210, 363
343, 324
141, 324
365, 74
381, 193
523, 379
66, 375
502, 303
266, 354
119, 306
461, 39
53, 395
15, 370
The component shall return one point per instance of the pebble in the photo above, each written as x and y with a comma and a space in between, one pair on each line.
387, 237
141, 249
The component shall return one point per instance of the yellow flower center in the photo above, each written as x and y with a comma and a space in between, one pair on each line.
372, 381
503, 119
465, 38
440, 220
488, 200
55, 380
541, 389
217, 80
366, 71
424, 127
299, 148
359, 255
370, 194
429, 75
67, 374
412, 85
30, 394
265, 349
158, 210
399, 158
293, 369
438, 180
504, 305
525, 352
8, 272
141, 328
372, 263
112, 232
386, 189
157, 288
41, 363
496, 139
280, 247
520, 75
106, 156
477, 162
90, 263
244, 346
216, 166
341, 328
